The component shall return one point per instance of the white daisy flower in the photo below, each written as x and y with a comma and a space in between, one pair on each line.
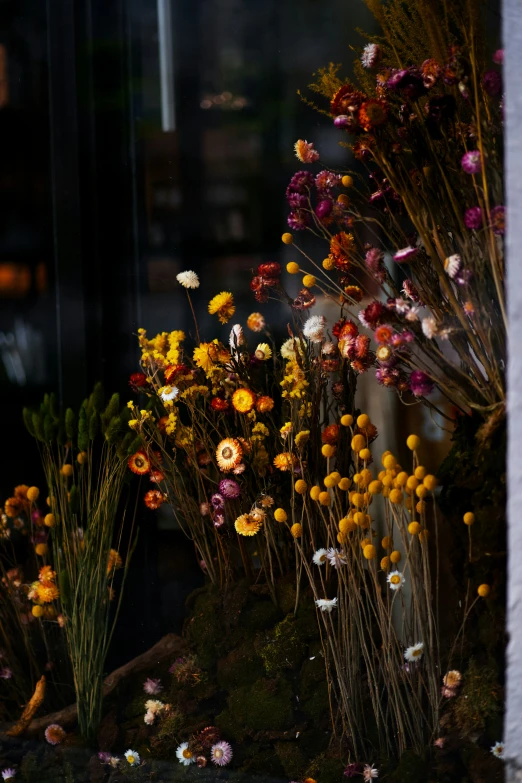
237, 337
452, 265
169, 393
395, 580
313, 328
369, 772
320, 557
498, 750
429, 327
336, 558
326, 604
188, 279
133, 757
414, 652
184, 755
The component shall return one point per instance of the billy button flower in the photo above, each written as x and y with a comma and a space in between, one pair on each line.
296, 530
300, 487
280, 515
484, 590
292, 268
315, 491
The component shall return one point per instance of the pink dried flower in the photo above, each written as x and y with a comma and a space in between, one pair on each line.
229, 488
448, 693
405, 254
471, 162
498, 57
473, 218
492, 83
420, 383
305, 152
497, 219
371, 55
54, 734
152, 686
221, 753
440, 742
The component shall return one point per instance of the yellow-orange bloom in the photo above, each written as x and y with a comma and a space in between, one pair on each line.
243, 400
246, 526
228, 454
223, 306
285, 461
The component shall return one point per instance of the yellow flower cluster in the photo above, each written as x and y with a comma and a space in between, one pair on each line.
294, 382
163, 349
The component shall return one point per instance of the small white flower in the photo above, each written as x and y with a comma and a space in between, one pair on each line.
429, 327
498, 750
401, 305
412, 314
371, 54
188, 279
239, 469
320, 557
114, 762
329, 348
369, 772
237, 337
452, 265
154, 705
414, 652
336, 558
8, 774
288, 349
362, 319
169, 393
326, 604
133, 757
313, 328
184, 755
149, 717
395, 580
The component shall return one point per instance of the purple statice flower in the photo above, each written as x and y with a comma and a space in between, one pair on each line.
342, 121
323, 208
177, 662
471, 162
152, 686
498, 57
473, 218
6, 673
104, 757
297, 200
497, 219
301, 182
229, 488
492, 83
420, 383
218, 501
409, 289
352, 770
326, 180
298, 220
405, 254
371, 55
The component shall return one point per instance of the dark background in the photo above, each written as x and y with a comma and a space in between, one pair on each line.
100, 208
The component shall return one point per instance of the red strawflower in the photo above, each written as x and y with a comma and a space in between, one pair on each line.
372, 113
137, 381
218, 404
139, 463
330, 434
154, 498
270, 269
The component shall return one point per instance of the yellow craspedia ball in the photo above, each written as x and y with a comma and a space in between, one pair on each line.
309, 281
82, 457
469, 518
347, 181
484, 590
386, 542
369, 552
424, 535
342, 537
300, 486
315, 492
412, 482
408, 502
386, 492
421, 491
347, 420
420, 508
385, 563
296, 530
365, 454
49, 520
67, 470
329, 481
401, 479
366, 477
328, 263
345, 483
346, 525
430, 482
292, 268
41, 549
375, 487
365, 522
327, 450
280, 515
414, 528
343, 199
33, 493
363, 420
37, 611
389, 462
395, 556
387, 481
384, 455
358, 499
336, 476
358, 442
357, 478
325, 499
365, 542
287, 238
420, 472
395, 496
413, 442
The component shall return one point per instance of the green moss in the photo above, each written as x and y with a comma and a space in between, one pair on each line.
286, 593
326, 768
286, 648
241, 666
264, 706
259, 615
479, 701
204, 629
292, 759
412, 769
